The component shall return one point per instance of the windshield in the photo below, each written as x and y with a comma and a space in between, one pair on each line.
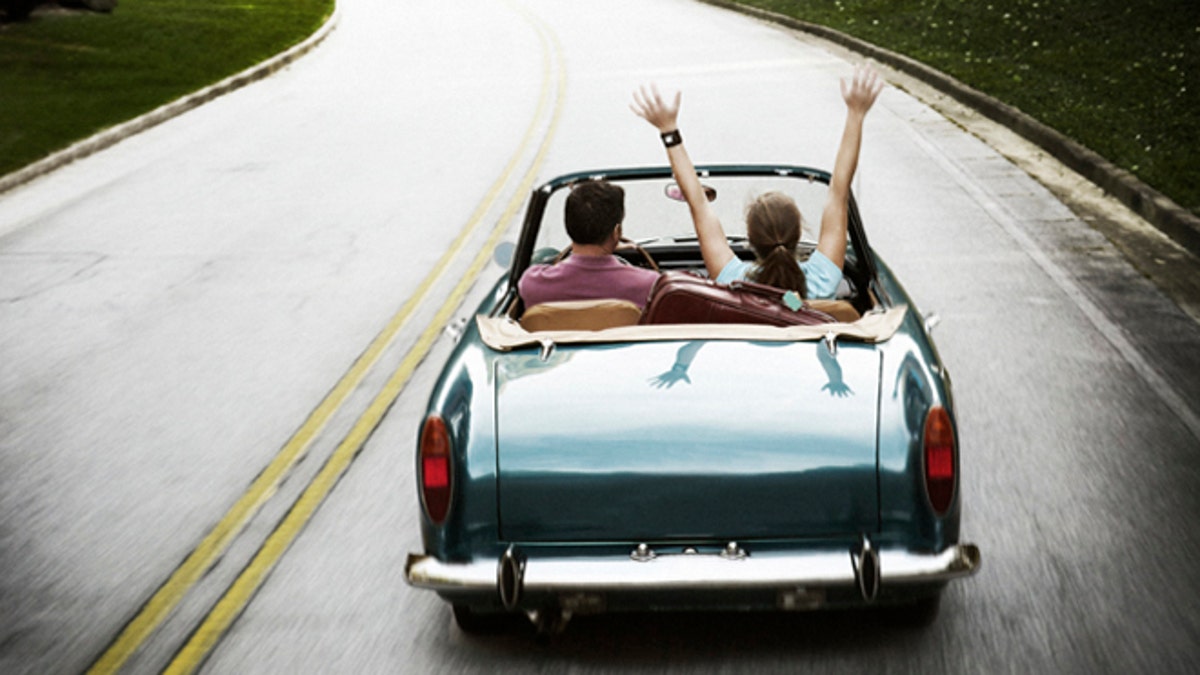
652, 216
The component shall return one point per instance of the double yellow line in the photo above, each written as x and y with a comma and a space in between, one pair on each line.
160, 606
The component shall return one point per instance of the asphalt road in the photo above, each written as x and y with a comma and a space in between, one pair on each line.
176, 309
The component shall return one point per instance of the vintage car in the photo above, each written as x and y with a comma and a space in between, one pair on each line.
598, 459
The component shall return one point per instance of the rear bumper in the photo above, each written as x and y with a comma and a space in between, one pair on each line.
537, 576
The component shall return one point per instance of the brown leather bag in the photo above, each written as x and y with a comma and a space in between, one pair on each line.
679, 297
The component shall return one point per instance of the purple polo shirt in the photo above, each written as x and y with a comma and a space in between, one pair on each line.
587, 277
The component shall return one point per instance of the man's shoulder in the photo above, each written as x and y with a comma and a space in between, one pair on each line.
536, 269
586, 279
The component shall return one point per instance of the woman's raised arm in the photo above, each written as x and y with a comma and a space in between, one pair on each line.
714, 247
860, 94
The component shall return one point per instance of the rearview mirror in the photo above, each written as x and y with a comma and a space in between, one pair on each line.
673, 191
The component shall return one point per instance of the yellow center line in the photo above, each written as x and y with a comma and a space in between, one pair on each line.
234, 601
164, 601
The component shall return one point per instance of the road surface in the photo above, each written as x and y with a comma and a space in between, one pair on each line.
219, 335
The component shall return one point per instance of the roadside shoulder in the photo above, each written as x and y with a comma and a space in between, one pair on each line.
1160, 238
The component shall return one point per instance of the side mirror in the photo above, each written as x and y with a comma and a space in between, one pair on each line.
503, 253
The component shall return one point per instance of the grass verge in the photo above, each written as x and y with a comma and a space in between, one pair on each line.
1121, 78
66, 75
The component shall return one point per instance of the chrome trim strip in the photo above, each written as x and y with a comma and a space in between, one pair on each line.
695, 572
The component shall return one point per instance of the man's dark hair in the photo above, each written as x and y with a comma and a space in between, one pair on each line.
594, 209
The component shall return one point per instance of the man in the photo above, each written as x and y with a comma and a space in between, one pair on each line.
593, 214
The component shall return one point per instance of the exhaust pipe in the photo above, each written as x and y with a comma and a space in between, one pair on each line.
866, 569
511, 577
549, 620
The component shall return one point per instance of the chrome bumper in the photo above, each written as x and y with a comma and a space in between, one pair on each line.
690, 572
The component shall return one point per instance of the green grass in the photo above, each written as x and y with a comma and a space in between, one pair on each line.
65, 76
1119, 77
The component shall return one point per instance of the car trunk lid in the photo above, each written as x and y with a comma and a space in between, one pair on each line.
687, 441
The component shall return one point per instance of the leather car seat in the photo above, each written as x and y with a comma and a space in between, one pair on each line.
580, 315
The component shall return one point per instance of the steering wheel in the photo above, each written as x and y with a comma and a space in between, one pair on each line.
625, 243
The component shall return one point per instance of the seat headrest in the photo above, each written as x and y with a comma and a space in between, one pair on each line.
580, 315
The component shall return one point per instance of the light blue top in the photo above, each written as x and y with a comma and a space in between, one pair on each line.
820, 274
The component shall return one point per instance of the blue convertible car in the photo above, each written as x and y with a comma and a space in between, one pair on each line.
589, 457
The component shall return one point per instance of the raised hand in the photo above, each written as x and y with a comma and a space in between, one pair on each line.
862, 90
650, 106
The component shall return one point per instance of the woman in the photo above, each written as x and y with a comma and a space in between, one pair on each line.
773, 219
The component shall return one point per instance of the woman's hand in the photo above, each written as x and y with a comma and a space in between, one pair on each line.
650, 106
861, 91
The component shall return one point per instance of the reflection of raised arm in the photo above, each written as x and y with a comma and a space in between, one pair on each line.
679, 371
714, 247
859, 94
836, 386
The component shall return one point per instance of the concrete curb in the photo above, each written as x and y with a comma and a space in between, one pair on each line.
113, 135
1156, 208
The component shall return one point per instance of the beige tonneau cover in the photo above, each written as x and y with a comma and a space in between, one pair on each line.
504, 334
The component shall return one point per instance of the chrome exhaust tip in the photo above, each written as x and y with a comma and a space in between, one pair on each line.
866, 569
511, 577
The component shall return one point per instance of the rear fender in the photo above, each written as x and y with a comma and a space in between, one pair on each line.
913, 381
464, 398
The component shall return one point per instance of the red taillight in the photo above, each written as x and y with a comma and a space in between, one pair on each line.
435, 465
939, 459
435, 472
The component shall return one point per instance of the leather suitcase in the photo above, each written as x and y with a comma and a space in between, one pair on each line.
679, 297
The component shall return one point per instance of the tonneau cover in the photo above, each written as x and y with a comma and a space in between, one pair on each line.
504, 334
